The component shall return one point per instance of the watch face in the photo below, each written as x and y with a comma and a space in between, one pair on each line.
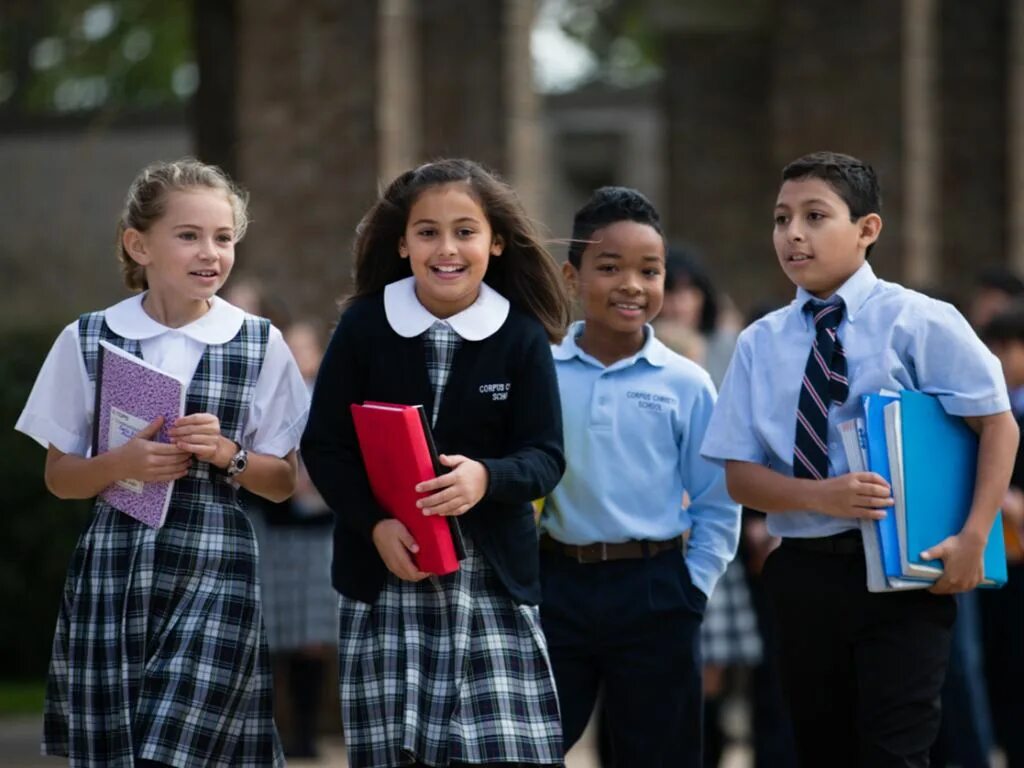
238, 463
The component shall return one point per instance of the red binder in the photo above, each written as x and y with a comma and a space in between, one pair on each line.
398, 452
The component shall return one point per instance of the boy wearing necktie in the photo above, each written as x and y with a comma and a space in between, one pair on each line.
862, 671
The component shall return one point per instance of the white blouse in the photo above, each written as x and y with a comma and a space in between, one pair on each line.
59, 410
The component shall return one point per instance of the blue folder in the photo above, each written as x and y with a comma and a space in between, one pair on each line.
940, 455
878, 462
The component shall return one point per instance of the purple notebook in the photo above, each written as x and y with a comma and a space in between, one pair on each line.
130, 393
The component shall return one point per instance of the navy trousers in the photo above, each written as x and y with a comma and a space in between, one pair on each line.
862, 672
633, 628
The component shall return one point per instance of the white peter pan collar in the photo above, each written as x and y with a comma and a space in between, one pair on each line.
408, 318
218, 326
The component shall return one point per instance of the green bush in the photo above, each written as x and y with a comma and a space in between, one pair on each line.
37, 530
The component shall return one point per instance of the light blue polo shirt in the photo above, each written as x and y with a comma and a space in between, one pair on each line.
633, 432
894, 338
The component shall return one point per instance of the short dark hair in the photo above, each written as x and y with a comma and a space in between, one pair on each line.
1002, 279
606, 206
1006, 326
852, 179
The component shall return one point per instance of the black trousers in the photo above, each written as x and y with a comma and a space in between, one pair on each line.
633, 627
862, 672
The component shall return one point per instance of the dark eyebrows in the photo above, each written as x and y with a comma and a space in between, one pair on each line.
460, 220
618, 256
806, 203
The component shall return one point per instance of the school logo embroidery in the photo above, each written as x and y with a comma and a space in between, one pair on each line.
496, 391
650, 401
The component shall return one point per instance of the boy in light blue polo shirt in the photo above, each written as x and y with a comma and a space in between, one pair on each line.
625, 569
862, 671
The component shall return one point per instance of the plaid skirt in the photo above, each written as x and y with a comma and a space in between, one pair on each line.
159, 651
299, 604
729, 633
446, 669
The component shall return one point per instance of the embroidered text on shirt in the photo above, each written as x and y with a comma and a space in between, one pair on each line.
650, 401
496, 391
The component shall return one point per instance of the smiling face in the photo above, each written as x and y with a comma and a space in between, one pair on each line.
620, 282
449, 243
188, 252
817, 244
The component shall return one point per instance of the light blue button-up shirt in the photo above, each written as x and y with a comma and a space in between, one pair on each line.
633, 432
894, 338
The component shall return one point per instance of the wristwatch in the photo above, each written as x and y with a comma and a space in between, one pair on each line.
238, 463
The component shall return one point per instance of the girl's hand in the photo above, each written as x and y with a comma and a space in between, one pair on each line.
963, 563
396, 547
458, 491
199, 434
141, 458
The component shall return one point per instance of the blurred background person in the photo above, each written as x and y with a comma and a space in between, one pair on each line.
300, 608
299, 605
1002, 610
692, 302
995, 289
731, 644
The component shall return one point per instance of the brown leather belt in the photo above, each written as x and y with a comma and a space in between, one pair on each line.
601, 552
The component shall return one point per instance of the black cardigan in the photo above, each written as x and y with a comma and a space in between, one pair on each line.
500, 406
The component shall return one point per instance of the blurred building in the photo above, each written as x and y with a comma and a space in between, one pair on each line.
313, 105
931, 92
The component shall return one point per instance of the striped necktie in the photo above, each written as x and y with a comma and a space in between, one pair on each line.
824, 383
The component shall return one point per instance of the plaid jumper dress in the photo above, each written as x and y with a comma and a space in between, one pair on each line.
159, 651
448, 669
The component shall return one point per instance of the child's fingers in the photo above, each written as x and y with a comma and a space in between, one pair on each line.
164, 450
436, 499
177, 459
403, 566
876, 502
164, 477
955, 580
940, 551
872, 514
868, 488
195, 418
194, 429
408, 541
450, 509
452, 461
942, 586
436, 483
197, 447
149, 431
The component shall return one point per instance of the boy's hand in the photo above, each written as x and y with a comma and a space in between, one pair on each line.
199, 434
141, 458
963, 563
396, 547
855, 494
458, 491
